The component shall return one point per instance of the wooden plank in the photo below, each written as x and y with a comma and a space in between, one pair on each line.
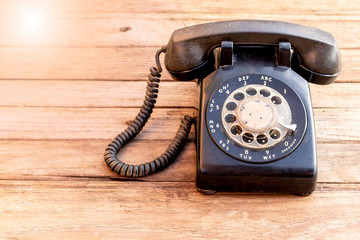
95, 93
332, 125
337, 125
143, 31
181, 8
77, 63
136, 210
85, 123
330, 96
338, 162
107, 63
85, 159
25, 160
59, 93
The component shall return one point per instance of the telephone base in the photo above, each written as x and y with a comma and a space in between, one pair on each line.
225, 162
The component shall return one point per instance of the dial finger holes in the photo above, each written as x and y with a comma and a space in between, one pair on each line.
239, 96
236, 130
251, 91
251, 116
264, 92
262, 139
274, 133
231, 106
248, 137
230, 118
276, 100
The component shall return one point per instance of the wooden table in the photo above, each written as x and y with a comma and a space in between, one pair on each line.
73, 73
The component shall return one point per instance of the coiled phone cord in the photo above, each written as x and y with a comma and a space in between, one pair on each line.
144, 169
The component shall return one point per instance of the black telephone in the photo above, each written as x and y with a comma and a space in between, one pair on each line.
255, 127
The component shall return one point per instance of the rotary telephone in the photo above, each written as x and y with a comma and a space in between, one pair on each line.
255, 127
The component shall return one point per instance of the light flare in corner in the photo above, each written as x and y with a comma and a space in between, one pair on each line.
32, 23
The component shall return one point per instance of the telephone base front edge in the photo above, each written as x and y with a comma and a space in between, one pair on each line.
255, 186
212, 192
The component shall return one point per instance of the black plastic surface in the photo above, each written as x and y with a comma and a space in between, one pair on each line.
187, 55
217, 171
226, 52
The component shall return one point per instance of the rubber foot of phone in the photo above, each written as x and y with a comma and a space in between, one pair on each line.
206, 191
303, 194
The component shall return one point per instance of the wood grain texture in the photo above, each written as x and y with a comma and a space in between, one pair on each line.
85, 123
137, 210
97, 93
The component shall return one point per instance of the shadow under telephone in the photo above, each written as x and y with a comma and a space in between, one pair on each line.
255, 126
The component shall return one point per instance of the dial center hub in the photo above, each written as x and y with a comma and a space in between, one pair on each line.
256, 114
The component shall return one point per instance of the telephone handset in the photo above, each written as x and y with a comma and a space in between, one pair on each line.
255, 128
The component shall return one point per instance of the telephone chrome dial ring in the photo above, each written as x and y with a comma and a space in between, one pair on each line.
256, 116
271, 130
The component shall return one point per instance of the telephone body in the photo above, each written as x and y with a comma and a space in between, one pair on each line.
255, 127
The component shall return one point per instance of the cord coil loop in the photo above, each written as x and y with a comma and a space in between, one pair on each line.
169, 155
